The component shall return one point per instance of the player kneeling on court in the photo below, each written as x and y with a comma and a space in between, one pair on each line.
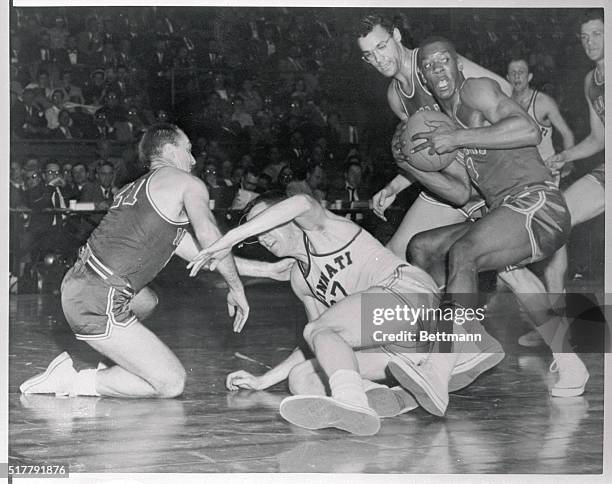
338, 264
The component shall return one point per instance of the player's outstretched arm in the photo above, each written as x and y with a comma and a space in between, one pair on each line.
302, 209
195, 199
511, 126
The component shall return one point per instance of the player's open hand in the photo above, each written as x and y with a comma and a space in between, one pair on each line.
238, 308
441, 139
209, 257
382, 200
243, 379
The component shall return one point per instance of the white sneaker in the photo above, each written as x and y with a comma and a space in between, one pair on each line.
531, 339
57, 378
319, 412
425, 381
390, 402
573, 375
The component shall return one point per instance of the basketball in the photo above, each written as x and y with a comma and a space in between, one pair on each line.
422, 160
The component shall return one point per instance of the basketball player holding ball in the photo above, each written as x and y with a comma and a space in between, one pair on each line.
527, 218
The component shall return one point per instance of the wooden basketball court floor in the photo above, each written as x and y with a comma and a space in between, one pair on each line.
505, 422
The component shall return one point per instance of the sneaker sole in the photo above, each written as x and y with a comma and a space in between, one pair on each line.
569, 392
410, 378
465, 373
37, 380
316, 412
386, 403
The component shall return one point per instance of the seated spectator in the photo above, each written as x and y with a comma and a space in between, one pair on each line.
65, 128
285, 177
101, 128
237, 174
311, 184
95, 90
78, 177
42, 85
99, 192
17, 185
123, 85
275, 163
52, 112
112, 108
71, 92
220, 193
27, 118
130, 128
251, 97
240, 114
71, 56
264, 183
352, 190
247, 190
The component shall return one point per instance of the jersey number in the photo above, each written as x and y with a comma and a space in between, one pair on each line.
127, 195
336, 288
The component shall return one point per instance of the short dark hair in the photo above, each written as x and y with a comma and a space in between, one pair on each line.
367, 23
155, 138
591, 14
433, 39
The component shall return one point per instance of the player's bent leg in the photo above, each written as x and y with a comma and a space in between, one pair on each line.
428, 250
424, 214
307, 378
144, 303
585, 199
145, 366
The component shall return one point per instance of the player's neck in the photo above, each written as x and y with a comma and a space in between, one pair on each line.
522, 97
404, 75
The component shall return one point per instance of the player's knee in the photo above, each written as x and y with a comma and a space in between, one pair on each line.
299, 378
418, 251
464, 252
172, 384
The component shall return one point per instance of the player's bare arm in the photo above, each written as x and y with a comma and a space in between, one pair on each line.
280, 372
451, 183
195, 199
547, 111
592, 144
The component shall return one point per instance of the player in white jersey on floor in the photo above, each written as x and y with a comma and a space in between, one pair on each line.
337, 264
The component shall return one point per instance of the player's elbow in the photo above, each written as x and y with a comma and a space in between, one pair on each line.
533, 134
305, 202
461, 197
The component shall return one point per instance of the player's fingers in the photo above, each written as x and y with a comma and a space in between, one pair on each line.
421, 147
231, 309
421, 135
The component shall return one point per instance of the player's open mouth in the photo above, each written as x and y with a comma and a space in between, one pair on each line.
442, 85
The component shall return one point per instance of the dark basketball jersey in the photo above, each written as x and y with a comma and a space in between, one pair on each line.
498, 173
597, 97
419, 99
134, 238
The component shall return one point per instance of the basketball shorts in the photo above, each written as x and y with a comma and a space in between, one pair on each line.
598, 174
547, 219
414, 288
472, 210
94, 306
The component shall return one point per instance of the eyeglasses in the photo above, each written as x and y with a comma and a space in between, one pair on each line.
34, 176
53, 172
369, 57
212, 172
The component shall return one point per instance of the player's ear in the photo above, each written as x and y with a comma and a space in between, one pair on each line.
397, 35
459, 64
529, 77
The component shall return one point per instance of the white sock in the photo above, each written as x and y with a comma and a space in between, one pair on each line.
85, 383
369, 385
346, 386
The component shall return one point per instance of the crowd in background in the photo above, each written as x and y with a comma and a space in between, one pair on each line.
270, 97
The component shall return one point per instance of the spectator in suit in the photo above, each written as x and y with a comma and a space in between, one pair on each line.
101, 128
71, 56
95, 90
65, 128
78, 181
247, 190
71, 92
352, 190
100, 193
27, 118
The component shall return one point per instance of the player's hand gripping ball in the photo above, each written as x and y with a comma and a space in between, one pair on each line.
423, 160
